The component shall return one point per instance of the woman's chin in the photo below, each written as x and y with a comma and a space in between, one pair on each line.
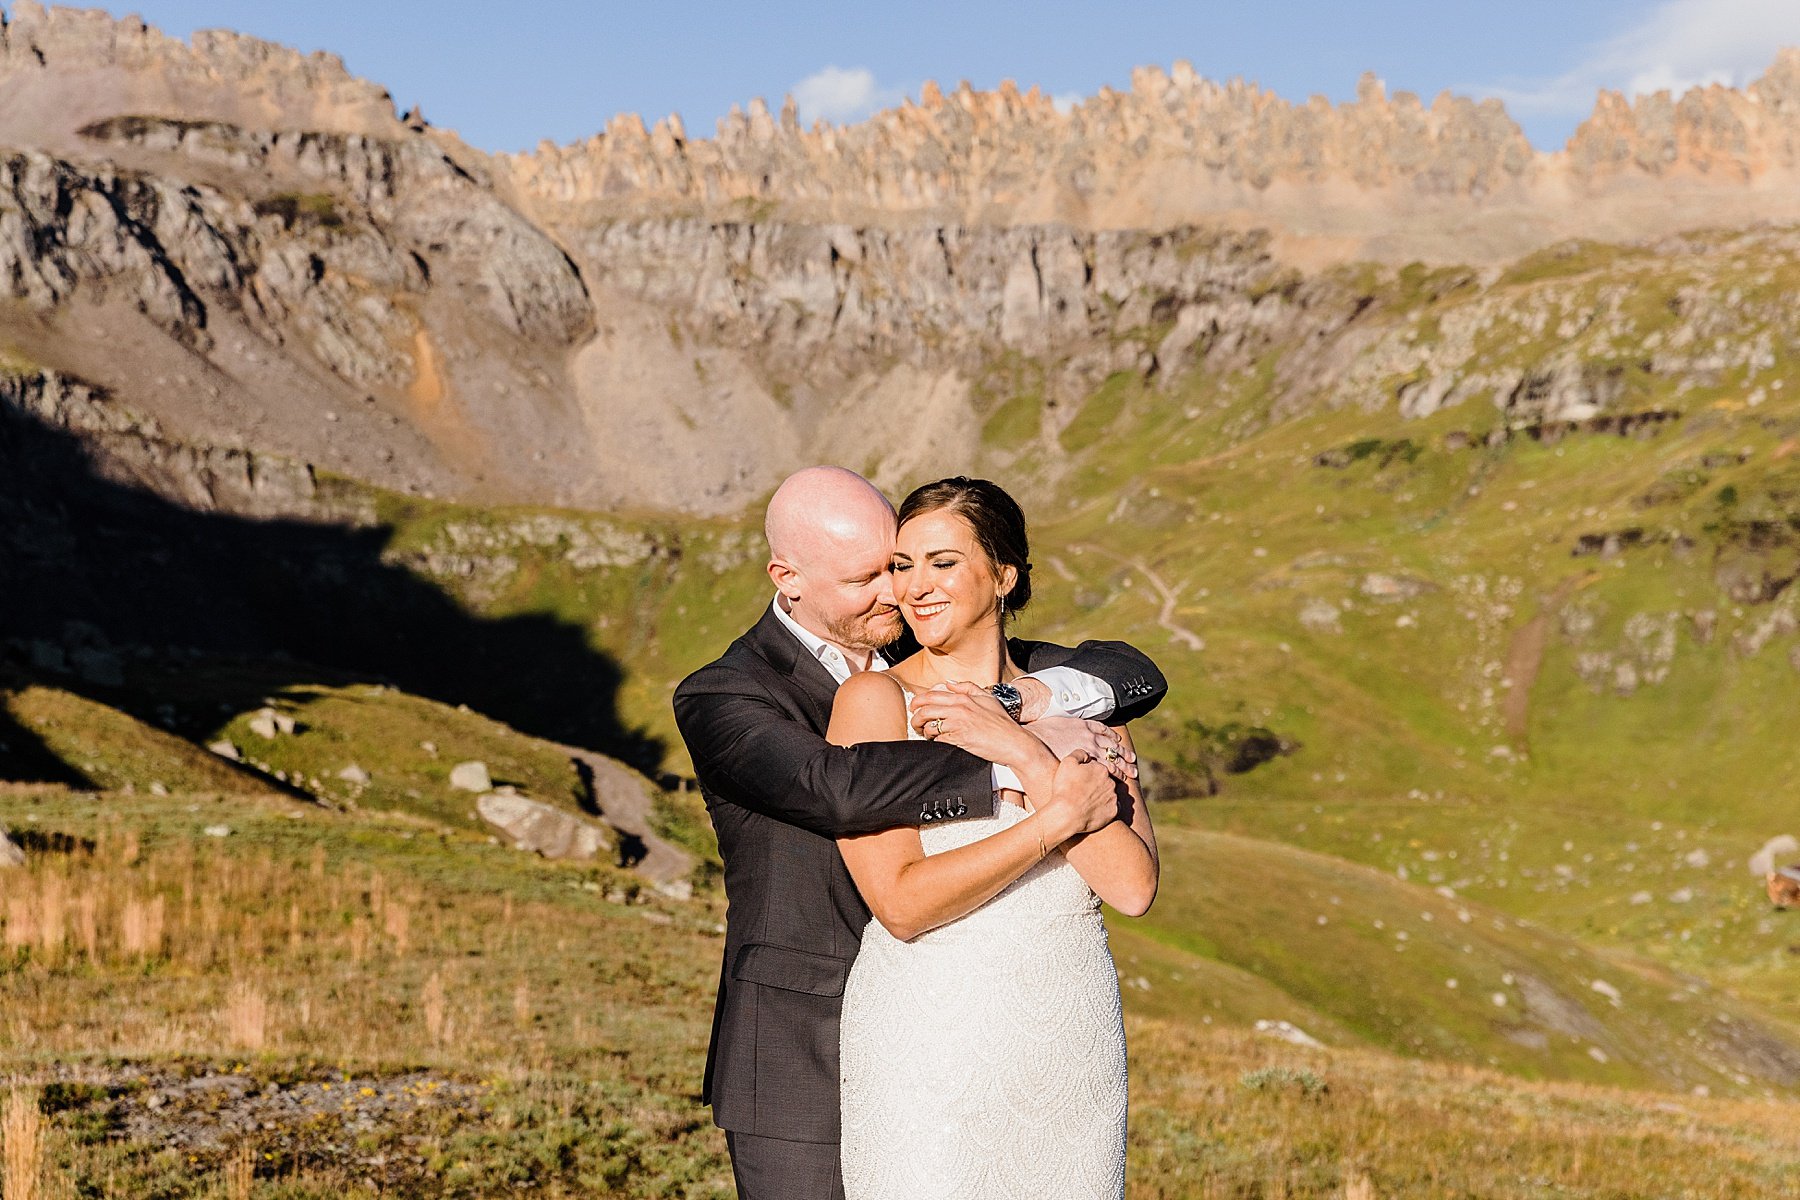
937, 635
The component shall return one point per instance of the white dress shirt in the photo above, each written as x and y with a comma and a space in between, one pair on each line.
1072, 693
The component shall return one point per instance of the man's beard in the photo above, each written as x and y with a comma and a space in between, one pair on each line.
872, 631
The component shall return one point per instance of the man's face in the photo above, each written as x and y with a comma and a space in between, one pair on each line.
847, 589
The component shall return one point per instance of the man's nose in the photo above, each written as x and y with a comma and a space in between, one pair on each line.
886, 594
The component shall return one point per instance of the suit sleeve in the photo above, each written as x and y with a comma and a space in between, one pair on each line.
745, 747
1137, 685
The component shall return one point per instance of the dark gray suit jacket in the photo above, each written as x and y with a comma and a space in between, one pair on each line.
779, 795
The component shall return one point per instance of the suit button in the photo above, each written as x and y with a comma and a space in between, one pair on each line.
961, 809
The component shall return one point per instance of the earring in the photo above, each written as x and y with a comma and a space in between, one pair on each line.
1003, 608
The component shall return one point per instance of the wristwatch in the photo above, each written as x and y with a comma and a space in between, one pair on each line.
1010, 699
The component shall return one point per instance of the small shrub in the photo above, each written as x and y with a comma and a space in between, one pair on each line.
1281, 1079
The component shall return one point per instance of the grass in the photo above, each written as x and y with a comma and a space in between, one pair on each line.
309, 951
345, 1003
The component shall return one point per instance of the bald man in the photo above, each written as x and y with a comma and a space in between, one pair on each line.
779, 796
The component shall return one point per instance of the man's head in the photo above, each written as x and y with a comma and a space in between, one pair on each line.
831, 551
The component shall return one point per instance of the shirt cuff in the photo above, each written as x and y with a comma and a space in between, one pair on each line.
1076, 694
1006, 777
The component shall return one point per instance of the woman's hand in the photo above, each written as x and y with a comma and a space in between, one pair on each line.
968, 717
1065, 735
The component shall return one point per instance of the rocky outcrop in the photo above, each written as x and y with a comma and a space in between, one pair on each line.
363, 304
1719, 134
10, 855
1012, 156
61, 68
132, 449
542, 828
1380, 176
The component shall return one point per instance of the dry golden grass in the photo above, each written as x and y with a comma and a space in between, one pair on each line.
240, 1174
22, 1151
1205, 1124
246, 1017
579, 1026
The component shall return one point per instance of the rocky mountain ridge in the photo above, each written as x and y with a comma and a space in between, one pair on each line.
252, 253
1382, 177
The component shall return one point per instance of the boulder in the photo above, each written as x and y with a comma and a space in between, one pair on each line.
471, 777
263, 725
10, 855
355, 775
225, 749
1287, 1032
543, 828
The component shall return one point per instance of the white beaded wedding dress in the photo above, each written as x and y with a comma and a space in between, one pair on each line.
985, 1059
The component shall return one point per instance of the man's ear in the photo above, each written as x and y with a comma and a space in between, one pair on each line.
787, 579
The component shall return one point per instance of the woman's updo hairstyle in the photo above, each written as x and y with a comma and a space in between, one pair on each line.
995, 517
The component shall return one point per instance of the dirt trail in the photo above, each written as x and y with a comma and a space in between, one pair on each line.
625, 801
1170, 596
1525, 656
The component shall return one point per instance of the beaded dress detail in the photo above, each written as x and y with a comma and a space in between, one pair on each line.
985, 1059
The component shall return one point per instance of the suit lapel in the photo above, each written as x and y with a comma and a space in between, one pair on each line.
783, 651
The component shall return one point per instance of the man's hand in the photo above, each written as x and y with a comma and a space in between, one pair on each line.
966, 716
1084, 795
1065, 735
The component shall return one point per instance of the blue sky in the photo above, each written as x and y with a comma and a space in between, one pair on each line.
505, 76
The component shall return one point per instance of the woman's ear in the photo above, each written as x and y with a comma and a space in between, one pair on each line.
1008, 579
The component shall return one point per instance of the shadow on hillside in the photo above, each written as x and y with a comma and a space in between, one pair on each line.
24, 758
96, 575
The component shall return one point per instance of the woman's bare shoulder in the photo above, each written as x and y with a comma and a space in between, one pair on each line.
872, 688
869, 707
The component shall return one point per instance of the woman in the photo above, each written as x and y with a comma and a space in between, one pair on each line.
983, 1055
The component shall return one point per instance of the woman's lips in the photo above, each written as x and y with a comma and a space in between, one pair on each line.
924, 612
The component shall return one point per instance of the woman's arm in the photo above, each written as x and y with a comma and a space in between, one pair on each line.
909, 892
1119, 862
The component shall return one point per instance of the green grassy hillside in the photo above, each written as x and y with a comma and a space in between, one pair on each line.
1532, 651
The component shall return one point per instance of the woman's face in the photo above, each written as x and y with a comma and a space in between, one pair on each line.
943, 580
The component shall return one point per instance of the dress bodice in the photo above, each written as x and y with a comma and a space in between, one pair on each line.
1051, 889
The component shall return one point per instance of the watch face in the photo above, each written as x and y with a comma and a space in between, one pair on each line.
1009, 697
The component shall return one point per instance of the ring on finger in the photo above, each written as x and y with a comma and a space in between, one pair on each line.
937, 727
1111, 754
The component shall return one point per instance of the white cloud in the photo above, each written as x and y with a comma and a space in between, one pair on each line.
836, 94
1064, 101
1679, 44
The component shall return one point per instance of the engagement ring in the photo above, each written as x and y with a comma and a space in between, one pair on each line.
937, 727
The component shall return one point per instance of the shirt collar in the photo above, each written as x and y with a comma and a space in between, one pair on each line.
829, 656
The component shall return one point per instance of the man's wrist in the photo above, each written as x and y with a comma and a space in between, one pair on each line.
1035, 697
